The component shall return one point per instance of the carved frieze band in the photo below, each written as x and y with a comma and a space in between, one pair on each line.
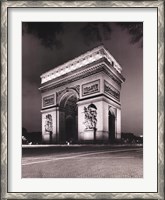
91, 88
110, 90
48, 100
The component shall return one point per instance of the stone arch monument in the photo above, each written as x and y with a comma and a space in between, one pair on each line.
81, 99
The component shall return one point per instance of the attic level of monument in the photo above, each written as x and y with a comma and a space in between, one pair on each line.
81, 100
81, 61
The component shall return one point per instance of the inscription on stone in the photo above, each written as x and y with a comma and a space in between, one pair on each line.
110, 90
48, 100
90, 88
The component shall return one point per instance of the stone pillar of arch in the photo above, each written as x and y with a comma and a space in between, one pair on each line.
50, 125
55, 118
105, 126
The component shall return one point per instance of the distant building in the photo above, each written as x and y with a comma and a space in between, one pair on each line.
81, 99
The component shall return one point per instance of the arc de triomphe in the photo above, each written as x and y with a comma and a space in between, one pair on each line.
81, 100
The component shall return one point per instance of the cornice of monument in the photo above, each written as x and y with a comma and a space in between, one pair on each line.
81, 61
90, 69
86, 71
72, 77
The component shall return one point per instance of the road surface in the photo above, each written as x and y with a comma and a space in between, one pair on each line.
78, 161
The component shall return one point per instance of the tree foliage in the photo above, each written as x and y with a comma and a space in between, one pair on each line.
47, 32
134, 29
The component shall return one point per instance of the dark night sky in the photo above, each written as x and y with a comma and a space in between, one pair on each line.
45, 46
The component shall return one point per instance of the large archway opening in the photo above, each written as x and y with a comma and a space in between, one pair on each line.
68, 119
111, 126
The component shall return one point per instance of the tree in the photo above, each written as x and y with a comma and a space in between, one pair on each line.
134, 29
47, 32
24, 131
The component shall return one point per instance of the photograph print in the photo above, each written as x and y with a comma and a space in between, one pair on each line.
82, 99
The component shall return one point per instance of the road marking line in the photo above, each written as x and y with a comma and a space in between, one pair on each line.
64, 154
109, 157
31, 158
90, 158
26, 159
80, 155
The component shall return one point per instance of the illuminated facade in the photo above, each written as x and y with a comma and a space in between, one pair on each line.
81, 100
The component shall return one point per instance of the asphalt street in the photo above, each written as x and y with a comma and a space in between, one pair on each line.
78, 161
